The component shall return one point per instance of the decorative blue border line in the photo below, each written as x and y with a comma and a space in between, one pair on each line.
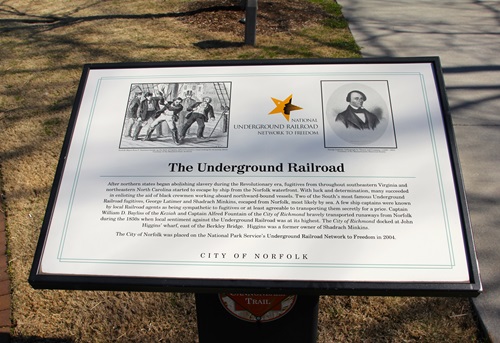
402, 266
78, 170
261, 264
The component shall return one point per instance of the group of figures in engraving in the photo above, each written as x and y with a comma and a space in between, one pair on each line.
157, 112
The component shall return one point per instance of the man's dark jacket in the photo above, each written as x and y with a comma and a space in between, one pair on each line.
207, 112
350, 119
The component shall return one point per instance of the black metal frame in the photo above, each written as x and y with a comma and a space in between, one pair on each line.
472, 288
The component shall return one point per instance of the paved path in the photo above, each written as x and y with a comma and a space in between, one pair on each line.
465, 34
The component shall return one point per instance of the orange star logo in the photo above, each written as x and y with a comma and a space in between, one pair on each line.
284, 107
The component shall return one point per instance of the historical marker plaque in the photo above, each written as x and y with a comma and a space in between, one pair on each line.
323, 176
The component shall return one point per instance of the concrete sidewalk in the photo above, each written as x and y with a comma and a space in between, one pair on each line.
465, 34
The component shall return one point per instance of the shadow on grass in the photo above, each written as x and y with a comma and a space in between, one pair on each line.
218, 44
49, 22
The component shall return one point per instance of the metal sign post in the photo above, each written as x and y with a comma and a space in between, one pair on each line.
227, 318
250, 22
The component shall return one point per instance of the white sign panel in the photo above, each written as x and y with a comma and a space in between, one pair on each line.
323, 172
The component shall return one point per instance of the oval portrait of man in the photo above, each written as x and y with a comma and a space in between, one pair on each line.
357, 113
